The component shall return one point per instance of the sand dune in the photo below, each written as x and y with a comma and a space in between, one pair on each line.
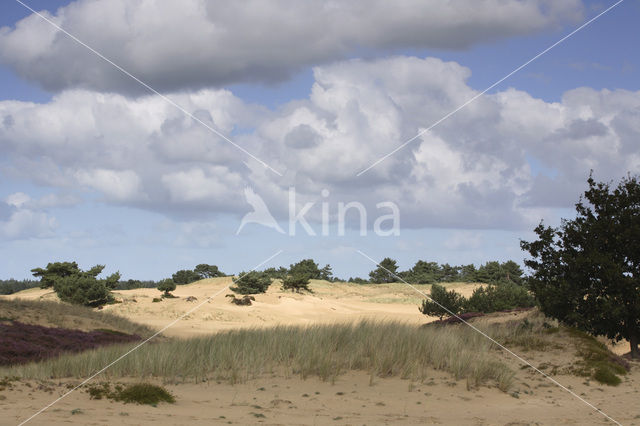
354, 398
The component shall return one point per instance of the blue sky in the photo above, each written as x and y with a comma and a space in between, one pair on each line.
95, 169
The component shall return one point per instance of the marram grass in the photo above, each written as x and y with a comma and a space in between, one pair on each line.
326, 351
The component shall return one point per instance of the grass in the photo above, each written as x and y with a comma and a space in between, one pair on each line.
58, 314
326, 351
597, 361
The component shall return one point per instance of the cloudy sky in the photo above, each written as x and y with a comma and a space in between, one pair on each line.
140, 159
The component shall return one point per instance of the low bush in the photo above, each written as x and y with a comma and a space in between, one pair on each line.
252, 282
499, 297
140, 393
442, 303
296, 282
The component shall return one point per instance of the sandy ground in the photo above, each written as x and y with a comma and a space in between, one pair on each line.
354, 399
327, 304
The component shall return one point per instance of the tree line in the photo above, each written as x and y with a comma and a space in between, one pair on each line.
585, 273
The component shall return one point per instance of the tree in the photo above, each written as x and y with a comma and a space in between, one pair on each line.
306, 267
208, 271
73, 285
252, 282
297, 283
586, 273
167, 286
385, 273
185, 276
442, 303
54, 271
326, 273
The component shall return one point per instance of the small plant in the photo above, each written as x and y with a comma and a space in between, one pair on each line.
167, 286
253, 282
140, 393
156, 299
242, 301
296, 282
443, 303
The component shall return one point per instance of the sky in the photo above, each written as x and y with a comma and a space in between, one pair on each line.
149, 158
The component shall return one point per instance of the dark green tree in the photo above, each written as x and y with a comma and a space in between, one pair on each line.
306, 267
252, 282
185, 276
385, 273
326, 273
297, 283
208, 271
76, 286
586, 273
53, 271
442, 303
499, 297
167, 286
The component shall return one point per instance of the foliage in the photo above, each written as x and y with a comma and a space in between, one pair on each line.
442, 302
358, 280
53, 271
586, 273
185, 276
131, 284
296, 282
499, 297
11, 286
385, 272
276, 274
311, 269
241, 301
167, 286
139, 393
208, 271
252, 282
76, 286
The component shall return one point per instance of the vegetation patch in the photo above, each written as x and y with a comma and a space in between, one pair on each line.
21, 343
597, 361
139, 393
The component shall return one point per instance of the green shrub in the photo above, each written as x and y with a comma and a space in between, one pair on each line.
296, 282
252, 282
140, 393
499, 297
443, 303
185, 276
145, 393
167, 285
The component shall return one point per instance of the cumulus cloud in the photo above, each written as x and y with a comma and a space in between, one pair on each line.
193, 44
20, 219
499, 163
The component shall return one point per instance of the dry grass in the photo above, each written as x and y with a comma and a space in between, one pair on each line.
326, 351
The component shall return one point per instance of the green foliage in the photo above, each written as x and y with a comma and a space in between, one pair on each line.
277, 274
296, 282
53, 271
358, 280
585, 273
185, 276
11, 286
499, 297
252, 282
208, 271
311, 269
167, 286
385, 272
76, 286
140, 393
442, 303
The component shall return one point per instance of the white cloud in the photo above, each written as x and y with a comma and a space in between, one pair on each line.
196, 43
475, 170
22, 223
